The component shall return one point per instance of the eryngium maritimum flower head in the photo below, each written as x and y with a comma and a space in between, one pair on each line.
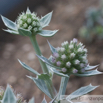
29, 21
28, 24
72, 57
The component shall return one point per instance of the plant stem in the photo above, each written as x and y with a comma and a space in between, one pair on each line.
38, 52
43, 65
63, 85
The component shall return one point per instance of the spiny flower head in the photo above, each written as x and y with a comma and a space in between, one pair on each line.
70, 57
29, 21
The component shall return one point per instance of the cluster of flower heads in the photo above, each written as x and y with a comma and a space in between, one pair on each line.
18, 96
71, 58
29, 21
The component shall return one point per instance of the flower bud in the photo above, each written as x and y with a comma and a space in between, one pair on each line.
58, 63
80, 50
75, 70
64, 43
63, 57
68, 64
72, 55
75, 40
53, 60
77, 61
62, 49
71, 46
64, 70
56, 55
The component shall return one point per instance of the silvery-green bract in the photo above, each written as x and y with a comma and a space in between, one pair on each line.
71, 58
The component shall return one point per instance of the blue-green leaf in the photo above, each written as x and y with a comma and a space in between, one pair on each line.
48, 81
41, 85
89, 73
48, 33
44, 100
11, 31
9, 96
10, 24
47, 61
53, 50
24, 32
44, 77
45, 20
91, 67
28, 68
31, 100
53, 99
81, 91
56, 72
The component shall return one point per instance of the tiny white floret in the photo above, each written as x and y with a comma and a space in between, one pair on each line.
85, 50
34, 23
30, 27
25, 25
68, 64
77, 61
80, 50
62, 49
72, 55
71, 46
64, 70
35, 29
64, 43
24, 17
29, 20
63, 56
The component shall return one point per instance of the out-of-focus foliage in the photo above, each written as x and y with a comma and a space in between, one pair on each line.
93, 27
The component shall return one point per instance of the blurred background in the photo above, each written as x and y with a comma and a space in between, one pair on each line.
68, 16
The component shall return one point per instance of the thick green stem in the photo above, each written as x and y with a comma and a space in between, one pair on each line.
43, 65
38, 52
63, 85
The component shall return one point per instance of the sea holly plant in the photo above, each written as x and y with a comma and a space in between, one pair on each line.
69, 59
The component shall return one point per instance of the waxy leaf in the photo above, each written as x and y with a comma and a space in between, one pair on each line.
89, 73
91, 67
53, 50
31, 100
53, 99
46, 61
11, 31
44, 100
81, 91
10, 24
28, 68
47, 33
41, 85
9, 96
56, 72
24, 32
46, 19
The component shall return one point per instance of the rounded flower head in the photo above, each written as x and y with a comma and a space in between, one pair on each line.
29, 21
71, 57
